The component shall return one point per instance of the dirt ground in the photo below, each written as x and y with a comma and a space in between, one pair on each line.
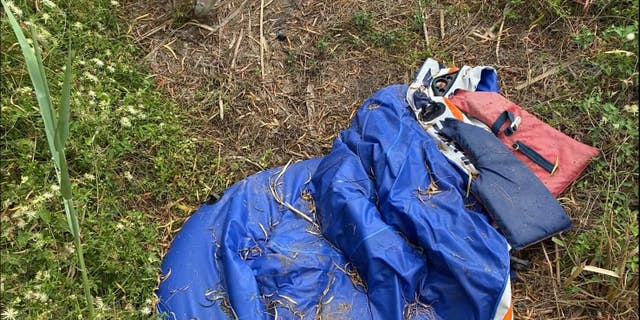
288, 96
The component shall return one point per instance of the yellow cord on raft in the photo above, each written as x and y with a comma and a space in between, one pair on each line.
555, 166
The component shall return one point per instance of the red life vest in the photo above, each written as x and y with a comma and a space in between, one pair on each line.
533, 137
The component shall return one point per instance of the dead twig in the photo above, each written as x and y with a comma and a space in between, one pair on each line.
423, 14
235, 50
498, 41
545, 74
279, 198
551, 274
262, 39
441, 24
259, 166
222, 24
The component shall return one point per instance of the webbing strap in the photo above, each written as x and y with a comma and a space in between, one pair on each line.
536, 157
504, 116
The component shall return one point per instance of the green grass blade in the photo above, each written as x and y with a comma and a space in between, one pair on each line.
44, 101
62, 129
65, 191
45, 85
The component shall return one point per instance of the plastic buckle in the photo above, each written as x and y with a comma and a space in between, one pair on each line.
515, 124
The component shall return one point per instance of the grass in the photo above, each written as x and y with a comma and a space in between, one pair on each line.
606, 235
364, 24
56, 125
141, 158
601, 108
128, 150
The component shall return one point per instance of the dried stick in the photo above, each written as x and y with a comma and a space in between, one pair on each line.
262, 39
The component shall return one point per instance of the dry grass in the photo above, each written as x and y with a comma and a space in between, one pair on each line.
268, 99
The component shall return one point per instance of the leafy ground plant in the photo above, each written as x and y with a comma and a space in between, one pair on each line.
135, 168
56, 124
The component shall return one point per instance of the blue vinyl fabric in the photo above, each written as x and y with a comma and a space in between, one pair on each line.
393, 235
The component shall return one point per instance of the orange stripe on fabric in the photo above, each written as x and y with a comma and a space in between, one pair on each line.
509, 314
454, 110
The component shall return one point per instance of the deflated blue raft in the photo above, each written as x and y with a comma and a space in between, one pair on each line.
380, 228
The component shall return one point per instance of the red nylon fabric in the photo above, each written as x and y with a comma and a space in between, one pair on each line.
573, 156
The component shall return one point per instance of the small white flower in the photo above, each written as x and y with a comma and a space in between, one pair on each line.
99, 303
90, 77
145, 310
125, 122
78, 25
631, 108
43, 34
9, 314
29, 295
24, 90
24, 179
42, 296
132, 110
91, 93
55, 188
69, 248
97, 62
89, 176
49, 3
631, 36
111, 69
82, 63
30, 215
128, 175
114, 3
21, 223
47, 195
16, 11
43, 275
39, 242
119, 226
45, 17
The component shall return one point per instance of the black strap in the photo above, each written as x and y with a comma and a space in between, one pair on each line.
504, 116
535, 157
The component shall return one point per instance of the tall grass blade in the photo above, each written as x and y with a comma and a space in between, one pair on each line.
65, 191
43, 76
44, 101
62, 128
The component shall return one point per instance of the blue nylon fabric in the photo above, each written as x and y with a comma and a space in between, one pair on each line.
521, 205
390, 208
222, 257
488, 81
